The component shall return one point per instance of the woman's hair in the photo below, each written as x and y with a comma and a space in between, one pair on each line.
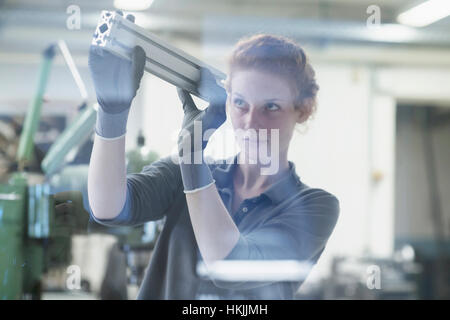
280, 56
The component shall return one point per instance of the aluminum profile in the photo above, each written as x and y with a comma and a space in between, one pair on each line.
119, 35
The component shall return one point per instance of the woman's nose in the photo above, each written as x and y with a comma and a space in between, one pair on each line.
251, 118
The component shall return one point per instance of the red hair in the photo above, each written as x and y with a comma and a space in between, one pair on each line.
281, 56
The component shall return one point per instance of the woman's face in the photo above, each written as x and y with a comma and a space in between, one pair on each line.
260, 100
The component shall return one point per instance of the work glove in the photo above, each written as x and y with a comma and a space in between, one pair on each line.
197, 128
207, 120
116, 82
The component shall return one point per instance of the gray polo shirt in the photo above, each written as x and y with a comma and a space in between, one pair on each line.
287, 221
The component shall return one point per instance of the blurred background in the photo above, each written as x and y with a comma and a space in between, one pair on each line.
380, 140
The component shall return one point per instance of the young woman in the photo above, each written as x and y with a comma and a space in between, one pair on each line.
216, 210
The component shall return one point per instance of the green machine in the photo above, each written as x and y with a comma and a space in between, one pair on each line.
29, 229
34, 237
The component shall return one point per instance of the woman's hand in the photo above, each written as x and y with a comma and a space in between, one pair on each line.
205, 121
116, 81
198, 126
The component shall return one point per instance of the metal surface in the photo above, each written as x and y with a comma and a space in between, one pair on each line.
119, 35
12, 221
40, 217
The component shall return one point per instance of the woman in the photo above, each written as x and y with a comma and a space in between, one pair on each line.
215, 211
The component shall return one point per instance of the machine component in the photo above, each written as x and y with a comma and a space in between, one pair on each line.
12, 253
34, 112
40, 216
75, 135
119, 35
33, 238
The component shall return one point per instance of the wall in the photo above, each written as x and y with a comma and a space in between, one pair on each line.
414, 219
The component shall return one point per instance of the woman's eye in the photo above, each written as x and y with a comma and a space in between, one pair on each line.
273, 107
238, 102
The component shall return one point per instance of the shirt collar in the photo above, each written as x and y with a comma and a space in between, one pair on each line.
282, 189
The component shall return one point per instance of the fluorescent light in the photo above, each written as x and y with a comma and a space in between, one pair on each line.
255, 270
132, 5
425, 13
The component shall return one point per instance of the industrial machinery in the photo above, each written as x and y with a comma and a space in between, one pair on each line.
34, 238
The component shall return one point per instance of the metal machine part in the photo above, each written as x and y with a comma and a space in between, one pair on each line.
33, 116
75, 135
13, 253
119, 35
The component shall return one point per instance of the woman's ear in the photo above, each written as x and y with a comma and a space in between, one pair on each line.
306, 110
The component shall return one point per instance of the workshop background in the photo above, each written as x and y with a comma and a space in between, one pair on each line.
380, 140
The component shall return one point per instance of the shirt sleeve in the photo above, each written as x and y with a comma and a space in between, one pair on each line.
300, 233
150, 194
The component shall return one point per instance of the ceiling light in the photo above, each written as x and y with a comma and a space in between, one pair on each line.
425, 13
132, 5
